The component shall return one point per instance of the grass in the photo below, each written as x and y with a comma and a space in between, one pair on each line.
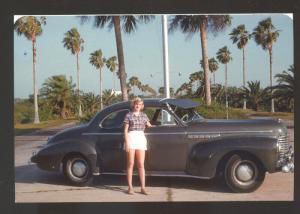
281, 115
217, 111
21, 129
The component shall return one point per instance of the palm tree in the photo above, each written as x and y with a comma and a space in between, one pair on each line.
128, 24
134, 81
161, 91
202, 24
109, 97
147, 88
241, 36
223, 55
31, 28
285, 89
218, 91
185, 87
199, 78
58, 91
213, 66
73, 42
265, 34
90, 102
253, 93
111, 64
97, 60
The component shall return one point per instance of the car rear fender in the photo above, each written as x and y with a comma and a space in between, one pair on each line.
62, 149
205, 157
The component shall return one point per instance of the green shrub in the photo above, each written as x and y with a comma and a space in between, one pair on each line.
46, 113
87, 117
23, 112
218, 111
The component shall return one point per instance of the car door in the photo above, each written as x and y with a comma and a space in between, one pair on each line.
110, 142
167, 149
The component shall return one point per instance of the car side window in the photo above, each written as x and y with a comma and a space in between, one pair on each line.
114, 120
159, 117
166, 118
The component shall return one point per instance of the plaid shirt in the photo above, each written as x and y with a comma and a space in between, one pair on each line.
136, 122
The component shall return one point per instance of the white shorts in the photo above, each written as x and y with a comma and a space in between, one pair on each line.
137, 140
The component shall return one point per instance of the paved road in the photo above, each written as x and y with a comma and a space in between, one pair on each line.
35, 185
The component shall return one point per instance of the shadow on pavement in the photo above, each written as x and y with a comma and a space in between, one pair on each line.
110, 181
32, 174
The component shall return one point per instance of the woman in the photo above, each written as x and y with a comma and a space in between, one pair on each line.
136, 142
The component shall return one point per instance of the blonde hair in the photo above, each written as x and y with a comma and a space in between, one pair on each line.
136, 100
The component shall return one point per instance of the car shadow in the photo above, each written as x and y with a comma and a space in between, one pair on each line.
212, 185
32, 174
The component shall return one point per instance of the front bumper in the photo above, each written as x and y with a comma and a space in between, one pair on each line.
286, 163
45, 162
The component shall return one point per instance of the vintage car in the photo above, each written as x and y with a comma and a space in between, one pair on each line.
181, 143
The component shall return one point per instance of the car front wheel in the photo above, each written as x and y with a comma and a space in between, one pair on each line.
77, 170
243, 173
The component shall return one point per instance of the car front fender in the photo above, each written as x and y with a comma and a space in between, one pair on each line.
205, 157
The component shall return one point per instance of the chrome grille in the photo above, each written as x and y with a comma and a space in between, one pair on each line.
283, 145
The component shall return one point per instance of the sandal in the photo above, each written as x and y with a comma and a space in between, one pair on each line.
130, 191
143, 191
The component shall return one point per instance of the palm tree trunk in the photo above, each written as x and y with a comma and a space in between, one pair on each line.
101, 103
205, 61
272, 100
244, 78
122, 72
114, 78
214, 78
63, 111
35, 90
226, 101
78, 87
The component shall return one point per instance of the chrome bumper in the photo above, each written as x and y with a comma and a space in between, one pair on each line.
30, 161
286, 163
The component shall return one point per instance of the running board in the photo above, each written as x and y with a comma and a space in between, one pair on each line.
158, 174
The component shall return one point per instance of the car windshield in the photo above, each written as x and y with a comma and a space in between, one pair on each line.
186, 115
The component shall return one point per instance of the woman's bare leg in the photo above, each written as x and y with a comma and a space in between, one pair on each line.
140, 158
130, 164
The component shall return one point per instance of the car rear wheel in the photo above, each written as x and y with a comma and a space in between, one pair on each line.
243, 173
77, 170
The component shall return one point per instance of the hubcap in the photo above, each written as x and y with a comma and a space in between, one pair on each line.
244, 172
79, 168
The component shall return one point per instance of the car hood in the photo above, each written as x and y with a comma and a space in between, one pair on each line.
73, 132
239, 126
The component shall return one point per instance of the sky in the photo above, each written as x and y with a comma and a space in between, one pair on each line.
143, 51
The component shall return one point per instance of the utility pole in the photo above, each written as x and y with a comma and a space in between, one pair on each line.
166, 55
165, 116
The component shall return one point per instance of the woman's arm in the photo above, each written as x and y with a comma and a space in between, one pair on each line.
148, 124
126, 126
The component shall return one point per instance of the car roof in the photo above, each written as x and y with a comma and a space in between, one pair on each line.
182, 103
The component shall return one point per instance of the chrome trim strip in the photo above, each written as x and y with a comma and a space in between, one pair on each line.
157, 174
96, 133
177, 133
225, 132
121, 133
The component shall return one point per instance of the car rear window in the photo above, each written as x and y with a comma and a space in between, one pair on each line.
115, 119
